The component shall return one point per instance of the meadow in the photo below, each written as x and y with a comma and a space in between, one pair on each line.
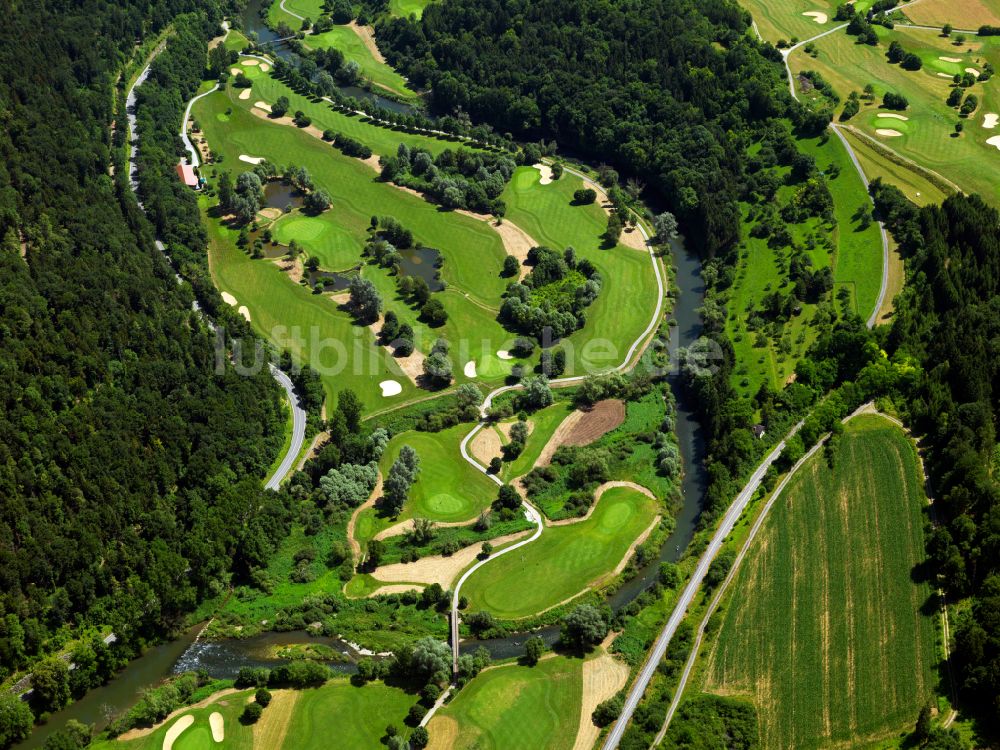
824, 626
514, 707
624, 306
927, 137
294, 720
345, 39
564, 561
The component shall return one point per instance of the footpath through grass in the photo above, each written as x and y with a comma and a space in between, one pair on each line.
824, 627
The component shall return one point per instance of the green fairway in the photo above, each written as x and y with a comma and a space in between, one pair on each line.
544, 423
624, 306
356, 717
514, 708
967, 160
345, 39
915, 184
564, 561
404, 8
824, 627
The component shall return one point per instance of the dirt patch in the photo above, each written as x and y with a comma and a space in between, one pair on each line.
600, 419
602, 678
318, 442
396, 588
505, 427
286, 120
271, 213
294, 268
516, 242
438, 569
272, 726
143, 731
404, 526
369, 503
372, 161
367, 35
443, 731
486, 445
633, 238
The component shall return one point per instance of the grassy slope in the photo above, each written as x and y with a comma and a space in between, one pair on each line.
566, 558
346, 40
623, 308
914, 186
967, 160
514, 708
405, 8
545, 422
832, 644
356, 717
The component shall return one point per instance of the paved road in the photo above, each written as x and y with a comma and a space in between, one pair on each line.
298, 430
187, 115
687, 595
530, 512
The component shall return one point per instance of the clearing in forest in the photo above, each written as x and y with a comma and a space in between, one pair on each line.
824, 626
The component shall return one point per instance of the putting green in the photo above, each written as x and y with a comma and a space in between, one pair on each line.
564, 561
489, 367
890, 123
515, 708
198, 737
336, 248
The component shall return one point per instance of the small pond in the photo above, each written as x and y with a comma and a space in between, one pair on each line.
424, 262
279, 194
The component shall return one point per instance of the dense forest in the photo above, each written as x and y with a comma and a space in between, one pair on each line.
667, 91
948, 318
129, 467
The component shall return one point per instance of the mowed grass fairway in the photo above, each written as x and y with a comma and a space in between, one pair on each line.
544, 423
968, 161
624, 306
823, 626
514, 708
564, 561
404, 8
344, 38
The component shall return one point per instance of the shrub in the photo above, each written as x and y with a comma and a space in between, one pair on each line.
262, 696
252, 713
584, 196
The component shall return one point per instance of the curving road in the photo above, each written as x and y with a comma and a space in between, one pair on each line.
298, 413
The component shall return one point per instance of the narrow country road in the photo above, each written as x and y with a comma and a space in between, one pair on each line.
659, 649
298, 413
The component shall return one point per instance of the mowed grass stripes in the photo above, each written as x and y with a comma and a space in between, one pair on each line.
824, 626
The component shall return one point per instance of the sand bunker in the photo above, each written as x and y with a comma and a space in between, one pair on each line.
945, 75
516, 242
249, 62
893, 116
888, 132
973, 71
994, 141
504, 354
252, 159
990, 120
265, 67
951, 59
470, 369
244, 312
218, 726
245, 94
235, 71
228, 298
816, 15
546, 171
175, 731
390, 388
262, 105
633, 238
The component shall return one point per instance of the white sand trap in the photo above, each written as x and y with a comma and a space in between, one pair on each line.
235, 71
251, 159
505, 355
949, 76
262, 105
816, 15
265, 67
894, 116
218, 726
390, 388
470, 369
546, 171
175, 731
888, 132
974, 71
249, 62
245, 94
951, 59
228, 298
990, 120
244, 312
994, 141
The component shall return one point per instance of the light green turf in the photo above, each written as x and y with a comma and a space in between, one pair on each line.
343, 38
544, 423
564, 561
967, 160
516, 708
341, 715
405, 8
824, 627
914, 184
447, 489
624, 306
199, 735
783, 19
